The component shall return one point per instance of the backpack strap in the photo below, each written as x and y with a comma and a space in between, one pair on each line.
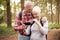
20, 15
41, 22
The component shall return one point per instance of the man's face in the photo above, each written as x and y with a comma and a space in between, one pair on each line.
29, 9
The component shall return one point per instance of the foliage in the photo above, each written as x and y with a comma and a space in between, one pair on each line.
52, 26
1, 16
6, 31
3, 2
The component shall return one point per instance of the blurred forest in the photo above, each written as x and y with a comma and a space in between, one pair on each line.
9, 8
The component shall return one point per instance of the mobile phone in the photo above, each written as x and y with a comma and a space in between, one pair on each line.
27, 23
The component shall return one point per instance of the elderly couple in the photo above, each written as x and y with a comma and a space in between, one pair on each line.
29, 24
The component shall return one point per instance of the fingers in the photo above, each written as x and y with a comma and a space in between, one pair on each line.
24, 26
34, 19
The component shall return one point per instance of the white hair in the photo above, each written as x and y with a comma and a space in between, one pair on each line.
36, 9
28, 3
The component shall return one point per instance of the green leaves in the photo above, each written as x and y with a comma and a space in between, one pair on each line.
3, 2
6, 31
52, 26
1, 16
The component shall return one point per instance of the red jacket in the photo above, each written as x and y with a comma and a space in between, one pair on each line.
18, 23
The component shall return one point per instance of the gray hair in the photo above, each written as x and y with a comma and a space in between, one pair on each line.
28, 3
36, 9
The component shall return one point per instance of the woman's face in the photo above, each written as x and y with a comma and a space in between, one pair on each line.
36, 15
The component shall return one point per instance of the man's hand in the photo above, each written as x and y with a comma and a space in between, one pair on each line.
24, 26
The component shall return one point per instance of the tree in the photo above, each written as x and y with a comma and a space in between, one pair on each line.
8, 14
51, 11
57, 9
22, 4
14, 9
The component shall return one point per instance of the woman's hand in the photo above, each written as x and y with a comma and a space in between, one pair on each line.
35, 20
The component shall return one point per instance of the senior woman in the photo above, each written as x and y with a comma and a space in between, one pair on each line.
38, 32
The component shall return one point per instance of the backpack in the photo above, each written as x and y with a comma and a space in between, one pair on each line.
20, 16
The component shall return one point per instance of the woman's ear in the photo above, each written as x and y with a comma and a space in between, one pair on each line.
39, 15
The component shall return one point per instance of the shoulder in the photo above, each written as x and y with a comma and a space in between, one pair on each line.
44, 18
46, 24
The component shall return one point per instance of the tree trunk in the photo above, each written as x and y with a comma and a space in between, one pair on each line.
22, 4
5, 17
14, 10
51, 12
8, 14
5, 14
57, 9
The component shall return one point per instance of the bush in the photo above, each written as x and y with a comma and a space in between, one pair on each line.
6, 31
52, 26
